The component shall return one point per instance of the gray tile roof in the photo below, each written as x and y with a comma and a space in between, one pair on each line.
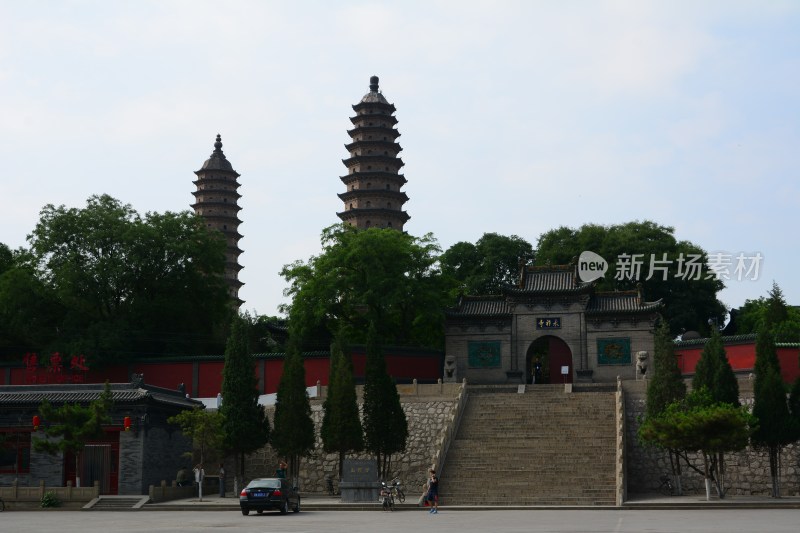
620, 302
480, 306
549, 279
85, 393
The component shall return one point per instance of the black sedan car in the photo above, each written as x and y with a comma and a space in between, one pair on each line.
267, 493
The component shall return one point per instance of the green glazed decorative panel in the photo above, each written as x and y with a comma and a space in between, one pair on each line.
484, 354
614, 351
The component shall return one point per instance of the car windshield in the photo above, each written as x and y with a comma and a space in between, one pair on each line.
265, 483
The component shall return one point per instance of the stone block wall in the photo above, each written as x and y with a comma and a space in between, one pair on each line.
164, 449
427, 417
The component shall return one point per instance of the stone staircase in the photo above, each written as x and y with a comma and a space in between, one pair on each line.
540, 447
116, 503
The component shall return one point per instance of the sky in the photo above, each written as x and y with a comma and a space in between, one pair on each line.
516, 117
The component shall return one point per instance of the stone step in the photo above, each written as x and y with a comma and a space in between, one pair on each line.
537, 448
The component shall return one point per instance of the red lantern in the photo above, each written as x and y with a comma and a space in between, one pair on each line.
127, 423
36, 422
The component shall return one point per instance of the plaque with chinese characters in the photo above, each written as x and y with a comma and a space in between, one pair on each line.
553, 322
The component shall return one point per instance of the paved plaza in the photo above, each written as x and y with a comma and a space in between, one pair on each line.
415, 520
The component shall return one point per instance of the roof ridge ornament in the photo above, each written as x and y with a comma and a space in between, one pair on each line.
373, 84
218, 146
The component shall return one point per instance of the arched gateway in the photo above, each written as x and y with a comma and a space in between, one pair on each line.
549, 360
494, 339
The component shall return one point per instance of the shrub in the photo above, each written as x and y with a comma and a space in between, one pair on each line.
50, 500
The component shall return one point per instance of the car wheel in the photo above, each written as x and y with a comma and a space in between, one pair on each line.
260, 511
245, 511
297, 507
285, 507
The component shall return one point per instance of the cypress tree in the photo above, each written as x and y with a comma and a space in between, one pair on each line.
293, 435
776, 426
245, 424
666, 385
341, 426
714, 372
385, 424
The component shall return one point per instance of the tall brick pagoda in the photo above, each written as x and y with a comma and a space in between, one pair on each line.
373, 197
216, 200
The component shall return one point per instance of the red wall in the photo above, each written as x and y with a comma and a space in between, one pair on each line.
166, 375
742, 358
207, 372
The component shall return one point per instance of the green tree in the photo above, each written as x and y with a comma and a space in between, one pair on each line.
204, 427
776, 425
665, 387
714, 372
385, 424
794, 400
30, 310
70, 426
293, 436
488, 265
699, 424
245, 424
771, 312
130, 284
690, 299
341, 429
375, 276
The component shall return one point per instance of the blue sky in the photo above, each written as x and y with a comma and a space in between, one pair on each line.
516, 117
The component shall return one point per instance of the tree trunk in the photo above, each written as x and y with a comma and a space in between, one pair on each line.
678, 486
721, 476
774, 471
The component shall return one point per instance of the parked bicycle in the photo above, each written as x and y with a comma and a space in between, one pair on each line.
397, 491
386, 498
666, 487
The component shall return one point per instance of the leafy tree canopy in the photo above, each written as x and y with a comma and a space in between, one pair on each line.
489, 264
697, 423
204, 428
379, 276
118, 283
689, 303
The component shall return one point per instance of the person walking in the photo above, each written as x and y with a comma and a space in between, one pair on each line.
199, 476
433, 492
221, 480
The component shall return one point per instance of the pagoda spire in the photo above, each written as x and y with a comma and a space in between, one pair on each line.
373, 181
217, 201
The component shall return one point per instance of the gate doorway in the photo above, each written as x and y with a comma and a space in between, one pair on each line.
99, 462
544, 360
